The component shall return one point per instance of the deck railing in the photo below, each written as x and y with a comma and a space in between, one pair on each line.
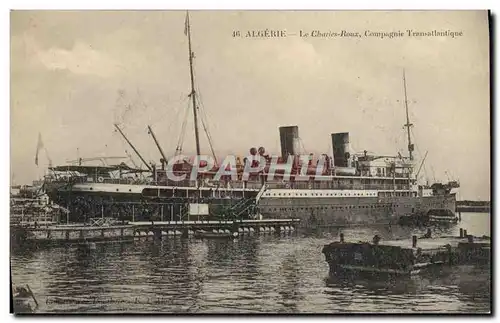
335, 183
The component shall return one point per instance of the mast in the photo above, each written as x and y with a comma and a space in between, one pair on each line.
193, 91
408, 124
135, 150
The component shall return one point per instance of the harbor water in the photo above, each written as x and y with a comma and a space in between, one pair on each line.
264, 273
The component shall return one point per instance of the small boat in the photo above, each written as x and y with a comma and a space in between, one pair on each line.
213, 235
441, 216
431, 217
24, 300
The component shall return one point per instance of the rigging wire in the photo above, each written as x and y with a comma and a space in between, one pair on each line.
419, 152
175, 111
303, 147
180, 142
122, 143
204, 118
204, 122
131, 159
203, 113
176, 106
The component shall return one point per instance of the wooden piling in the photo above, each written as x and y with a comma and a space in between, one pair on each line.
461, 233
72, 234
414, 241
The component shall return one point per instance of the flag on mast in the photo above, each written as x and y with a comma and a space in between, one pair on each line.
186, 23
39, 146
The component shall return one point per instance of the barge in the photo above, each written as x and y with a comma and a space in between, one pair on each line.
406, 257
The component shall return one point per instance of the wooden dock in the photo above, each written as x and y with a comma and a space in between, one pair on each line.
406, 257
86, 233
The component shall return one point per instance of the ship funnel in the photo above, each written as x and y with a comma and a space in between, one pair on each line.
289, 137
341, 153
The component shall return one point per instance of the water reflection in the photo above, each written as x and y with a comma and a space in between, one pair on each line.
289, 283
268, 273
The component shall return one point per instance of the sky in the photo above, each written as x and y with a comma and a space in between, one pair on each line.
76, 73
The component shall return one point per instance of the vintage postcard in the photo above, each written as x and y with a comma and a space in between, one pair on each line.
250, 162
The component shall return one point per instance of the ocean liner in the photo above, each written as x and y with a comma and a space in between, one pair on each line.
343, 189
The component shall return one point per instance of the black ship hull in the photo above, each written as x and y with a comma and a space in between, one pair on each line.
344, 211
141, 203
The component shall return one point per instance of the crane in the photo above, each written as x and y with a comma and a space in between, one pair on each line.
132, 146
150, 131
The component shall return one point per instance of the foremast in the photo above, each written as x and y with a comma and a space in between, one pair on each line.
408, 125
187, 31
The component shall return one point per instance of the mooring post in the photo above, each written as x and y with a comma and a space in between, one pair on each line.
342, 237
461, 232
414, 241
157, 234
235, 227
465, 233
